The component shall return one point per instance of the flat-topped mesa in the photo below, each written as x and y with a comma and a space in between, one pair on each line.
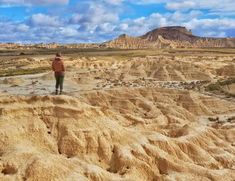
123, 36
169, 37
170, 33
178, 28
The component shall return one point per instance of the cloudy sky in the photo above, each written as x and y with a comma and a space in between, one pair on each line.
77, 21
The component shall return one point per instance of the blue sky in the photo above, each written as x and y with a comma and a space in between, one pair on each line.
78, 21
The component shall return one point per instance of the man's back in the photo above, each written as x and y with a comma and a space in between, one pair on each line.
58, 68
58, 65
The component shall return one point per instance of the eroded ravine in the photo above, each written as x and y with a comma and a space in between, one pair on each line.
143, 118
129, 134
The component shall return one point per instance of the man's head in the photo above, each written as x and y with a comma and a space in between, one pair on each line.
58, 54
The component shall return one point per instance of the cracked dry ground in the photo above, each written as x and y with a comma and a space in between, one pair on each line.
133, 129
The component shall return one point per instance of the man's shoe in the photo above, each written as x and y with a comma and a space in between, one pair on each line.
56, 92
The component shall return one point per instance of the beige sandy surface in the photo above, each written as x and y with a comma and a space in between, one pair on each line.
141, 118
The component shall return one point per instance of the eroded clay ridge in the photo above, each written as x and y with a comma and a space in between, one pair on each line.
122, 134
168, 37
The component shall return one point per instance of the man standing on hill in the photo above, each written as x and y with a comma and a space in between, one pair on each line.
59, 69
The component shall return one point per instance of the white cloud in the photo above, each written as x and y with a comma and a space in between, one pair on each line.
32, 2
106, 28
215, 6
95, 14
44, 20
178, 16
22, 28
181, 5
124, 26
68, 32
147, 1
95, 17
114, 2
99, 20
214, 34
218, 6
219, 24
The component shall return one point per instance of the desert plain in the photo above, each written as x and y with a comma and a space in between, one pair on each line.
130, 115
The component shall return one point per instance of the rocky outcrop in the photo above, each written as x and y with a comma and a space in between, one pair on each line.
169, 37
128, 42
170, 33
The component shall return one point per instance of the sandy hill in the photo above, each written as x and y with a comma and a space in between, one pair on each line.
127, 42
128, 134
170, 33
140, 118
170, 37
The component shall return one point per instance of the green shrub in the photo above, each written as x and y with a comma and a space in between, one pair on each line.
213, 87
13, 72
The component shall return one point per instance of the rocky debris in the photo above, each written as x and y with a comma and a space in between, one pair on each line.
141, 82
213, 119
231, 119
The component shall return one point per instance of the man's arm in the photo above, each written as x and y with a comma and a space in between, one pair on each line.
63, 68
52, 66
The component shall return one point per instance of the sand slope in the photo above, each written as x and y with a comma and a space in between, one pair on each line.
132, 134
136, 118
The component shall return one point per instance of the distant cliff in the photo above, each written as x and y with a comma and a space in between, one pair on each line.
168, 37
